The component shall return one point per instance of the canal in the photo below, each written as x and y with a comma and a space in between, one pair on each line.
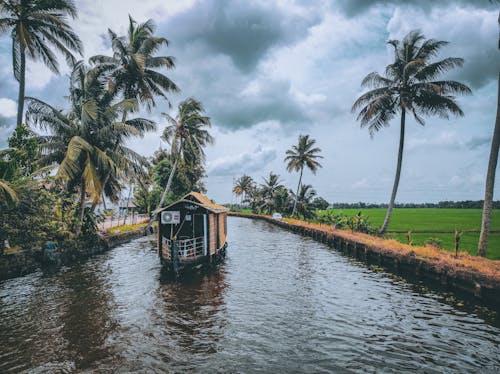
279, 302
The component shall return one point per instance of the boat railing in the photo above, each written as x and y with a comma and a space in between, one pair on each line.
188, 248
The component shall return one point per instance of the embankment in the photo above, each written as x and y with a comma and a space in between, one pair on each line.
469, 276
27, 261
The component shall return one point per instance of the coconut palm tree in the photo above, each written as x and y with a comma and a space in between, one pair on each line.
35, 28
8, 195
87, 142
490, 176
133, 68
187, 136
304, 154
269, 190
243, 186
409, 86
304, 200
238, 188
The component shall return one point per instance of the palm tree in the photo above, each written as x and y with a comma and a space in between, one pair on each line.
409, 86
249, 187
8, 195
304, 200
490, 176
87, 142
36, 27
302, 155
269, 190
238, 188
187, 135
133, 67
282, 199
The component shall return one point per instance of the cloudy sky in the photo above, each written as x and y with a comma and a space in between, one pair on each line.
268, 71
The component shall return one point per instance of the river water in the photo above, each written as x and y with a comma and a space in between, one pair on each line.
279, 303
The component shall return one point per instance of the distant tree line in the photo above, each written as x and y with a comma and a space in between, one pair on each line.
465, 204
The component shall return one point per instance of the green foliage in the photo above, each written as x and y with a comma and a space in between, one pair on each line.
40, 216
24, 149
320, 203
339, 220
303, 201
435, 242
187, 177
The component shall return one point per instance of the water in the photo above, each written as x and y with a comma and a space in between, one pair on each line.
279, 303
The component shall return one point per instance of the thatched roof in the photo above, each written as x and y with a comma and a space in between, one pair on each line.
198, 199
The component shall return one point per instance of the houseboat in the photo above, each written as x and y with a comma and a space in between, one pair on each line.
191, 233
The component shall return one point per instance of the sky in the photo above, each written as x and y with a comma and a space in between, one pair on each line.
268, 71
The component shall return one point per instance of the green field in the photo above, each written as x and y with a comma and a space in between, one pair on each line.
436, 219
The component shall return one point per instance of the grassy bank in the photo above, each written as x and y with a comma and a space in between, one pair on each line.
126, 228
424, 222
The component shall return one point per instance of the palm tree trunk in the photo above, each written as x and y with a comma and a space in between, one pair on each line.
164, 194
169, 182
490, 183
82, 206
297, 194
103, 201
22, 73
128, 203
398, 174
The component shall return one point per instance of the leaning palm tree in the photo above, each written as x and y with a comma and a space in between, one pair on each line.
8, 195
304, 154
490, 176
36, 27
409, 85
133, 68
188, 136
88, 142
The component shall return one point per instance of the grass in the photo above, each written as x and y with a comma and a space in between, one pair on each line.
437, 219
126, 228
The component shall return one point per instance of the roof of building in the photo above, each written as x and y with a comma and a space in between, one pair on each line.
201, 200
129, 205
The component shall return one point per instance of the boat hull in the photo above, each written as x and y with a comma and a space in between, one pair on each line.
187, 265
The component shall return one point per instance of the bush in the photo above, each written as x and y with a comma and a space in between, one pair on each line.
358, 223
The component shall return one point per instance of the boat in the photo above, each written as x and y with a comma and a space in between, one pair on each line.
191, 233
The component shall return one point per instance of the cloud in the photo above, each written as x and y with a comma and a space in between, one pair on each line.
445, 139
6, 128
357, 7
243, 30
8, 107
472, 34
478, 142
246, 162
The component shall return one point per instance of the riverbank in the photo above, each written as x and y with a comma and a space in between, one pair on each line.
467, 275
26, 261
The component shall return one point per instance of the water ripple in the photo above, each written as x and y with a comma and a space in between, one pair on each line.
280, 302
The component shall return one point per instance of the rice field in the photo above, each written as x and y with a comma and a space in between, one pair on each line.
429, 220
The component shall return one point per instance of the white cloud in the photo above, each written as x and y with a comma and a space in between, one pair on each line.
446, 139
8, 107
246, 162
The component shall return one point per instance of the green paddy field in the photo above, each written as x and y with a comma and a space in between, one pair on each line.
428, 223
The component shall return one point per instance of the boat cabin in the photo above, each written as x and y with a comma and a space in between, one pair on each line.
191, 231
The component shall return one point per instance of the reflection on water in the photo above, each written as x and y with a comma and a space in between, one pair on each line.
280, 302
